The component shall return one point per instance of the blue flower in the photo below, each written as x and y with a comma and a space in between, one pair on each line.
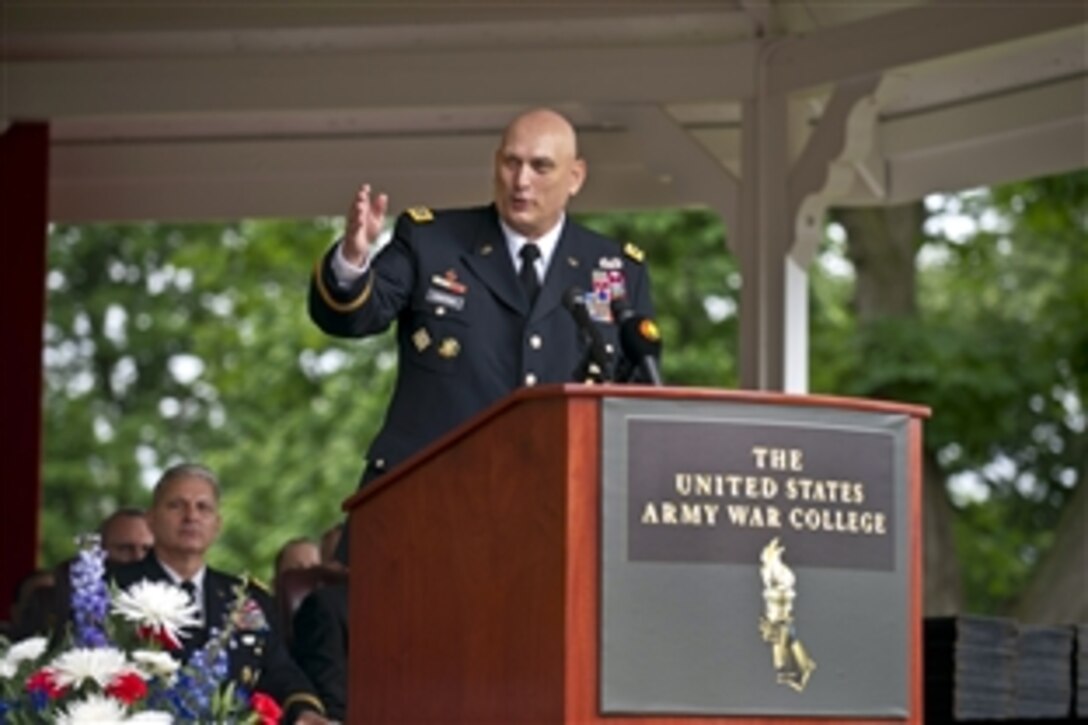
90, 597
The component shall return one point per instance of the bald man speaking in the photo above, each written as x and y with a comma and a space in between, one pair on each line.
483, 297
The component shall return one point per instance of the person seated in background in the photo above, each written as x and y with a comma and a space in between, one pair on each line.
32, 610
330, 542
300, 553
185, 522
320, 644
125, 536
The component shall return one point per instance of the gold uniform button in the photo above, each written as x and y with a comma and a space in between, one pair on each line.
530, 379
535, 342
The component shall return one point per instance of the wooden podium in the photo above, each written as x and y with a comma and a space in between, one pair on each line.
476, 566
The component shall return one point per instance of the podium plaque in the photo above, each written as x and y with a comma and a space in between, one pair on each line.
754, 560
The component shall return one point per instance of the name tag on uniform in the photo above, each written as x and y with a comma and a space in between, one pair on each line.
446, 299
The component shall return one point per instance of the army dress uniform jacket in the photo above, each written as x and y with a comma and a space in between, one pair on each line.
258, 658
466, 333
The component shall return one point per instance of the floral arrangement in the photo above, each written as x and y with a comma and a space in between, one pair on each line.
115, 664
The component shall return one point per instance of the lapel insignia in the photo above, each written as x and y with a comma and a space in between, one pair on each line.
449, 348
486, 249
632, 251
420, 214
421, 339
572, 261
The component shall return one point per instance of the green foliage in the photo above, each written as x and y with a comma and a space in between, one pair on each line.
168, 343
999, 353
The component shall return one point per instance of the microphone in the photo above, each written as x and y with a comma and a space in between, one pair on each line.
598, 362
640, 339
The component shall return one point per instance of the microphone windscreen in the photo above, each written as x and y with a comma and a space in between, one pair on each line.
640, 337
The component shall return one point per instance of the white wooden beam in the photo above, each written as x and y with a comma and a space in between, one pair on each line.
662, 74
825, 169
911, 36
211, 179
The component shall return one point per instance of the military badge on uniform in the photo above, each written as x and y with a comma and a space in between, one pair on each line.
420, 214
634, 252
607, 284
449, 348
449, 282
421, 339
249, 616
439, 297
446, 291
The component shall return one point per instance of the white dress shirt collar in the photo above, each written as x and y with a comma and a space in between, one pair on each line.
197, 580
547, 243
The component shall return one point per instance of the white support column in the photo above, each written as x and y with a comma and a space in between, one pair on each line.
780, 222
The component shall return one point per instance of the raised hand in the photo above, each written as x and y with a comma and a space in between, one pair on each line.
364, 223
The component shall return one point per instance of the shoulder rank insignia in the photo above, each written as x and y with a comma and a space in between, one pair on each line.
420, 214
258, 585
633, 251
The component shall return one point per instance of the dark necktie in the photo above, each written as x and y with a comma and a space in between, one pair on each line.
530, 282
193, 637
189, 588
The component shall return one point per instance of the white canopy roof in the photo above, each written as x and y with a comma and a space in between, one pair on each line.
196, 110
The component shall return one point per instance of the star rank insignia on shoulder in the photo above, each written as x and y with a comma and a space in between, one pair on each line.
258, 585
420, 214
633, 251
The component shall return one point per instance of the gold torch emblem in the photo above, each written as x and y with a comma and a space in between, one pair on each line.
791, 662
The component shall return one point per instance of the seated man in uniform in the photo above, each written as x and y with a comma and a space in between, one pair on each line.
184, 518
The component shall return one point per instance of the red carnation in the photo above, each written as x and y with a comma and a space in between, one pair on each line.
128, 687
266, 708
44, 682
160, 635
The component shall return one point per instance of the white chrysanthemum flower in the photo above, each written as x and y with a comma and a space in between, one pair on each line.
152, 717
95, 709
155, 664
159, 606
28, 649
99, 664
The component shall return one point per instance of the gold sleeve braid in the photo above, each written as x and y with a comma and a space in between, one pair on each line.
342, 307
303, 698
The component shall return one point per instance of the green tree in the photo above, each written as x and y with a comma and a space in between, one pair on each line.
191, 342
996, 350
